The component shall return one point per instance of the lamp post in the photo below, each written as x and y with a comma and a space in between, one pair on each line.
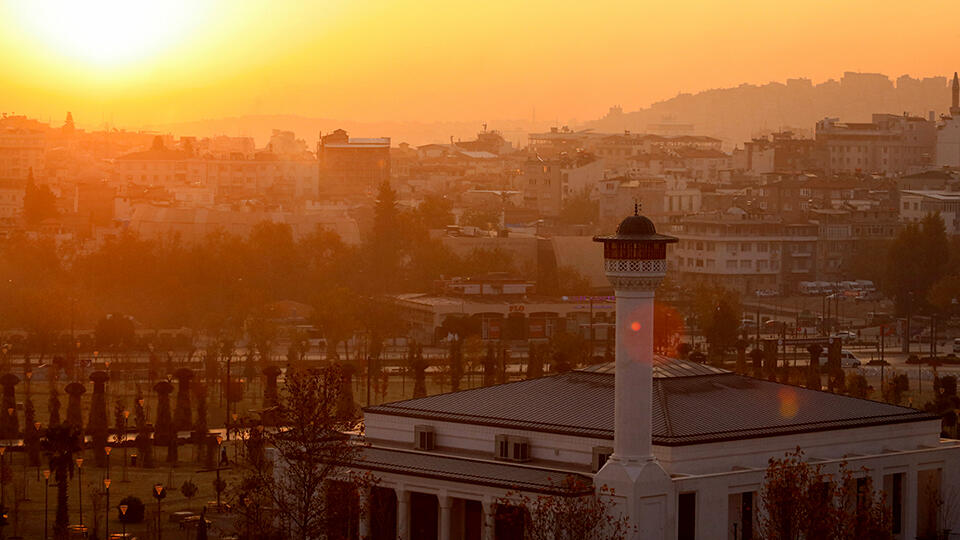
236, 433
159, 493
126, 415
3, 485
229, 357
106, 487
46, 500
219, 463
123, 520
107, 450
36, 427
80, 487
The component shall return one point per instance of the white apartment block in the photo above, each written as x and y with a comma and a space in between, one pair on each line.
745, 252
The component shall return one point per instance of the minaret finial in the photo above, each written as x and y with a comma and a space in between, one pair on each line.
636, 207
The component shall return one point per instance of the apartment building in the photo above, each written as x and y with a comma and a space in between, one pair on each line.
744, 251
890, 144
352, 166
547, 183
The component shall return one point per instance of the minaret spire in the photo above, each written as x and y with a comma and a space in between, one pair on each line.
955, 107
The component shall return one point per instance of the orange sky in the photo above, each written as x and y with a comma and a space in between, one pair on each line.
438, 60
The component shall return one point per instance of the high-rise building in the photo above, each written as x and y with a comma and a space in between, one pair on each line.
352, 166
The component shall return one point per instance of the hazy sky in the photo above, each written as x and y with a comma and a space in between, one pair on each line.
150, 62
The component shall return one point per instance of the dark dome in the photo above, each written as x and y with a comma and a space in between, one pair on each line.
636, 226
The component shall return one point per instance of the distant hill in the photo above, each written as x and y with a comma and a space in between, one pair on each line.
416, 133
737, 114
732, 114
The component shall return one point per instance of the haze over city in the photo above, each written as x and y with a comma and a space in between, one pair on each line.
393, 270
134, 64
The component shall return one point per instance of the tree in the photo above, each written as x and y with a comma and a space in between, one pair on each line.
53, 405
579, 209
312, 451
813, 367
144, 445
31, 438
796, 497
802, 501
97, 424
384, 249
718, 313
481, 218
576, 512
115, 331
61, 442
456, 364
534, 361
490, 366
917, 259
39, 203
434, 212
419, 367
188, 489
201, 435
895, 386
944, 295
858, 387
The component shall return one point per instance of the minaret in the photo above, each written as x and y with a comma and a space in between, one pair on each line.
635, 263
955, 107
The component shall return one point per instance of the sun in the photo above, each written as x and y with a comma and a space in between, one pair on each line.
109, 33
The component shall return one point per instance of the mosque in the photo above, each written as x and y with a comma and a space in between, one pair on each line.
683, 445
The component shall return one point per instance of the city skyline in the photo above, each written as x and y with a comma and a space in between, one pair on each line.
431, 61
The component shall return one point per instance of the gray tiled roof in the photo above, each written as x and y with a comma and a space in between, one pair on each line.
707, 405
487, 473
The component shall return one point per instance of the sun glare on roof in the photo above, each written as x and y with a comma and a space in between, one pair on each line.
788, 402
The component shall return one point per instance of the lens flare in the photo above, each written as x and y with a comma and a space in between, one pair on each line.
788, 403
635, 326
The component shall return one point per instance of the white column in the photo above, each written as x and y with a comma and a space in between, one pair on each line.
634, 375
444, 510
910, 500
403, 514
365, 499
489, 520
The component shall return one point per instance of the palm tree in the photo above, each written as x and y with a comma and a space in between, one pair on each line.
60, 443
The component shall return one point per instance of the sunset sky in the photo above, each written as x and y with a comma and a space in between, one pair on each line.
139, 63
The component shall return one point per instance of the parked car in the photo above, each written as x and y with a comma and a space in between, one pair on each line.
845, 335
847, 359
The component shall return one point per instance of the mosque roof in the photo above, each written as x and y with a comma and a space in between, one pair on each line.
693, 404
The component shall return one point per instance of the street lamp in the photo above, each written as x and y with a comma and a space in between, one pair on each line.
159, 493
123, 519
126, 415
3, 450
80, 487
219, 463
106, 487
36, 428
46, 500
106, 450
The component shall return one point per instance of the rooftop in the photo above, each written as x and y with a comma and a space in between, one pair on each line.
459, 469
693, 404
